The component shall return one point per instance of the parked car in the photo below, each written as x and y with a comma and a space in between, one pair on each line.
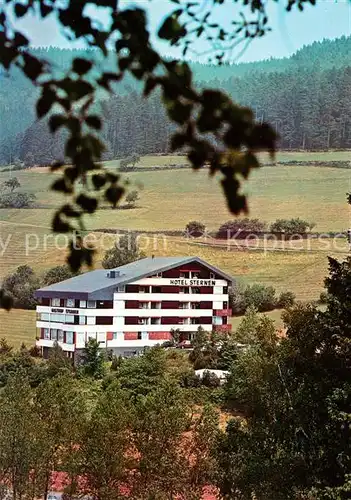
185, 344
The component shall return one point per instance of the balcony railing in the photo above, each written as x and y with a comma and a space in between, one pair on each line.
223, 312
222, 328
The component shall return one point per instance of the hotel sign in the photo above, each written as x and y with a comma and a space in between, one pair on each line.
191, 282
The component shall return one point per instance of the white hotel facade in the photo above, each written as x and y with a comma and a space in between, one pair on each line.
133, 307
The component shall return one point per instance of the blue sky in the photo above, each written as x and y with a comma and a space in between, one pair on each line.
329, 19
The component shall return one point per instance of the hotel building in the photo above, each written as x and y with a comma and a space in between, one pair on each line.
134, 306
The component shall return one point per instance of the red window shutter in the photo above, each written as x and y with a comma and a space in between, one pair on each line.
109, 336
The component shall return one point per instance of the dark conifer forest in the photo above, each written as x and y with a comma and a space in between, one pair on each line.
305, 97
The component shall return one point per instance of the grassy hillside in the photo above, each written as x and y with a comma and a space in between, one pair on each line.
169, 199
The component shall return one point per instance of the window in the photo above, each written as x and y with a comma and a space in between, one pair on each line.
121, 289
184, 275
143, 289
195, 305
156, 289
57, 318
195, 321
91, 304
195, 289
142, 321
158, 275
83, 304
69, 319
139, 335
104, 304
184, 289
212, 276
69, 337
182, 321
60, 335
54, 334
225, 290
82, 320
46, 334
104, 320
183, 305
155, 305
44, 317
195, 275
70, 302
90, 320
55, 302
155, 321
143, 305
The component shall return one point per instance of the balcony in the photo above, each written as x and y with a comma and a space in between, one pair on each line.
222, 328
222, 312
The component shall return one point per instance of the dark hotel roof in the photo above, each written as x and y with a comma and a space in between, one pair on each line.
91, 284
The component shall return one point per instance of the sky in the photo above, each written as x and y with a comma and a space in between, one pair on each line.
290, 31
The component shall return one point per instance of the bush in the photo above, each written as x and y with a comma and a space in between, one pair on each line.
17, 200
190, 379
132, 198
291, 226
195, 229
286, 299
233, 227
209, 379
21, 285
261, 297
323, 298
125, 251
57, 274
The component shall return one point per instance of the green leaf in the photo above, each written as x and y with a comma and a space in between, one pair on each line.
62, 186
69, 211
56, 121
21, 10
98, 180
81, 66
59, 225
32, 66
171, 29
94, 121
88, 203
45, 102
179, 112
113, 194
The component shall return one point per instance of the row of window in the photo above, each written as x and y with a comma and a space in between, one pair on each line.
74, 303
58, 335
75, 319
185, 274
181, 305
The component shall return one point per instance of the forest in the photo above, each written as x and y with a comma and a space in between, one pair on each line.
305, 98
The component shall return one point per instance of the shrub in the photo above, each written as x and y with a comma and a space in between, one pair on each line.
209, 379
17, 200
195, 229
236, 298
261, 297
286, 299
231, 228
125, 251
291, 226
132, 198
21, 285
323, 298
